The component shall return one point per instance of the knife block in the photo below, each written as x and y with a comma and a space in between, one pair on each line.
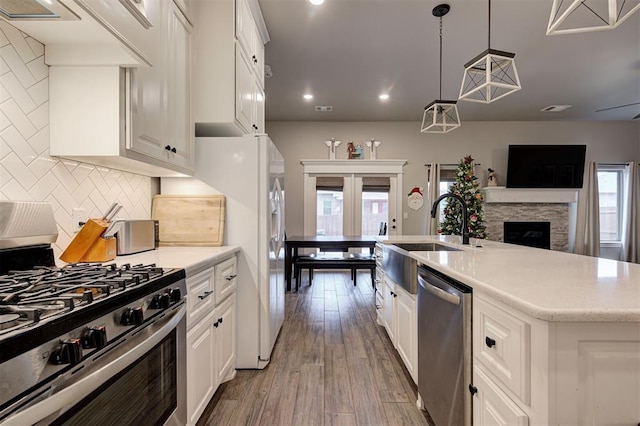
88, 244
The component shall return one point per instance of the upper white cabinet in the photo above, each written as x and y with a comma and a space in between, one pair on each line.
134, 119
228, 68
97, 32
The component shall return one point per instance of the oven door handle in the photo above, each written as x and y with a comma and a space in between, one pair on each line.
83, 387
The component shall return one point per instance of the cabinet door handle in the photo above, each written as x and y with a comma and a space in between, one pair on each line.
174, 150
230, 277
216, 324
473, 390
167, 147
205, 295
489, 341
220, 320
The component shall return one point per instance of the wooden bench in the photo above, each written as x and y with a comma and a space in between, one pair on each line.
351, 261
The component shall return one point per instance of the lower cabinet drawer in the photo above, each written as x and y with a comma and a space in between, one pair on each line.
200, 297
501, 343
226, 278
491, 406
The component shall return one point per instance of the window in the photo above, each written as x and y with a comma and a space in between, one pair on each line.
375, 203
610, 185
329, 198
447, 178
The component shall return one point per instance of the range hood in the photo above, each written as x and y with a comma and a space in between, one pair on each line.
21, 10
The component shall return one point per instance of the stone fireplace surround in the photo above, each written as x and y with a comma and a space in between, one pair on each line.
529, 205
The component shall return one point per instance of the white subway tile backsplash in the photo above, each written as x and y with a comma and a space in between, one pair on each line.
40, 166
40, 116
18, 118
14, 191
36, 47
40, 141
27, 172
39, 92
4, 121
19, 170
18, 143
39, 70
17, 40
16, 65
17, 92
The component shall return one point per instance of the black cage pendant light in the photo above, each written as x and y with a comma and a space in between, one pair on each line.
440, 116
491, 75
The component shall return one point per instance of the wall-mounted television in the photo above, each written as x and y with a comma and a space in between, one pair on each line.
545, 166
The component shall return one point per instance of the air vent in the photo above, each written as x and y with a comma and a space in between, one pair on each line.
555, 108
324, 108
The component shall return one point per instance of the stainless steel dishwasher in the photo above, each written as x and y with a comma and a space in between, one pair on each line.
444, 347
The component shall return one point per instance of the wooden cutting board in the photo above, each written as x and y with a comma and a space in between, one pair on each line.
189, 220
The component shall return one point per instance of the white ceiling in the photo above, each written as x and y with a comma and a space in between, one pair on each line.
347, 52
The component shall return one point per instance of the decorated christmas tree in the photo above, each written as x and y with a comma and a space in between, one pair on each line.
466, 186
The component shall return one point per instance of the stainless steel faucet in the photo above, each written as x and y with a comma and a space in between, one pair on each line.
465, 223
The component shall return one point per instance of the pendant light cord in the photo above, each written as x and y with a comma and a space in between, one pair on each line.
489, 32
440, 57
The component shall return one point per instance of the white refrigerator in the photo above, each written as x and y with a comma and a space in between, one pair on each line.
249, 171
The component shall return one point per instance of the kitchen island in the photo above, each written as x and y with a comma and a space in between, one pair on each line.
556, 336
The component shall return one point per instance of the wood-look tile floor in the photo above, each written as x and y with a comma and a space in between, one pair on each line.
331, 365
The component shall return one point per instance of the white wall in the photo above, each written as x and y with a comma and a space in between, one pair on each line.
486, 142
27, 172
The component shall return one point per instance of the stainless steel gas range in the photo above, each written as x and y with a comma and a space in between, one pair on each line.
88, 343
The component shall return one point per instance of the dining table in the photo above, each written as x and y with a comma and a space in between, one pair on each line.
339, 243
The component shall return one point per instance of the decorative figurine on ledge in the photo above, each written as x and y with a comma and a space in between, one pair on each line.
332, 145
351, 150
373, 148
492, 178
359, 154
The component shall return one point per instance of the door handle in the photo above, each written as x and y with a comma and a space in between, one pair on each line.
441, 294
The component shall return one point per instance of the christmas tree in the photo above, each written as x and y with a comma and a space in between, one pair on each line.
466, 186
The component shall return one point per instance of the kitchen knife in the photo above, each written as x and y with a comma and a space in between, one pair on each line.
113, 228
106, 214
113, 213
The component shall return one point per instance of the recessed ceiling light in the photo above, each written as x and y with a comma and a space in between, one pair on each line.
383, 97
316, 2
307, 96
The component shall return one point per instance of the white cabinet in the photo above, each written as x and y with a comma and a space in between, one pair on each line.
201, 368
228, 69
160, 98
529, 371
211, 335
138, 119
390, 309
491, 406
406, 319
225, 339
401, 322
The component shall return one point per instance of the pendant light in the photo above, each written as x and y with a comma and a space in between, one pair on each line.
491, 75
440, 116
579, 16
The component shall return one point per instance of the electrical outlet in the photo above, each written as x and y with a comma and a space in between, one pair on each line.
78, 215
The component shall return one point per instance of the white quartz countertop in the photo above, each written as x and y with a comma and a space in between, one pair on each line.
549, 285
192, 259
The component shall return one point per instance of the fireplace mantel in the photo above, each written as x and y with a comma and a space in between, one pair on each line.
501, 194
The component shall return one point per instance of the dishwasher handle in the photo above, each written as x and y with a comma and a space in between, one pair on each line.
438, 292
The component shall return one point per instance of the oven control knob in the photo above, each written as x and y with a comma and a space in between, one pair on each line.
94, 337
175, 294
160, 301
69, 352
132, 316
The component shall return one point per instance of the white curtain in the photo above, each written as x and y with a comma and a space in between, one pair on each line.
631, 215
433, 191
588, 220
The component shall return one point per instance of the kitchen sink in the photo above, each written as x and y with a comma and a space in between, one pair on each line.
403, 269
425, 247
